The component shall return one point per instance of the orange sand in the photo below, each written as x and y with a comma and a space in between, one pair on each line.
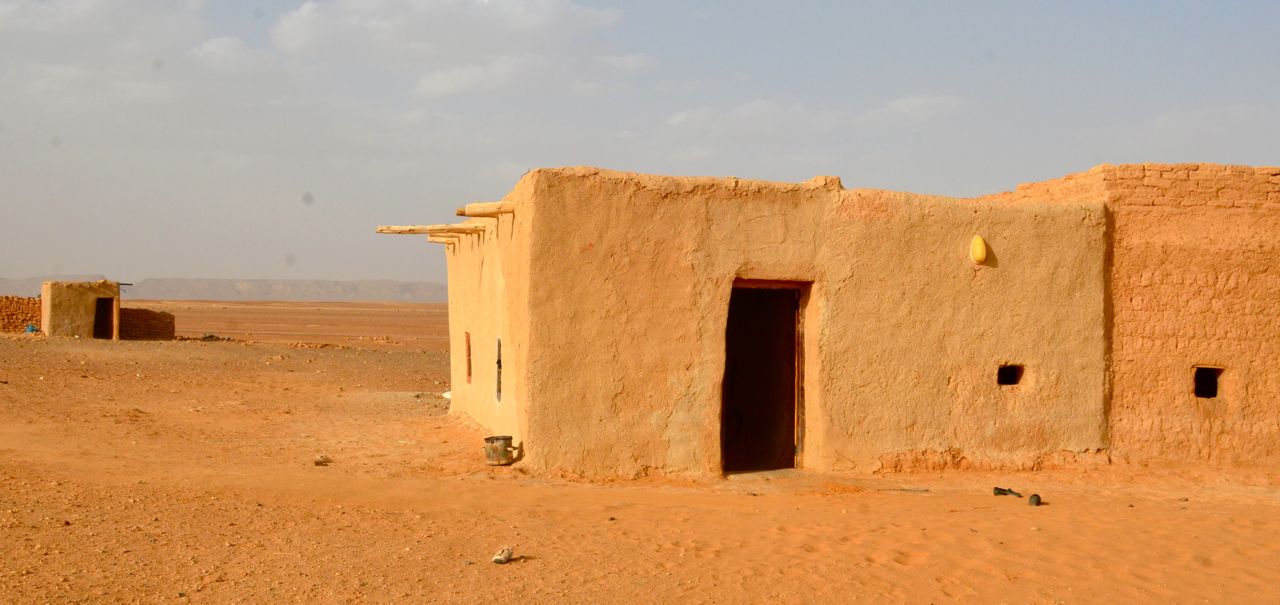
182, 472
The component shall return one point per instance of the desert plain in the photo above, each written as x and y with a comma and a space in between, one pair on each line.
184, 472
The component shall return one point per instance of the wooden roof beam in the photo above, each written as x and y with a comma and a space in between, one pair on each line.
404, 229
488, 209
431, 229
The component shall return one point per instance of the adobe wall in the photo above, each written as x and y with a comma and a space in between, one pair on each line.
68, 308
17, 312
146, 324
1195, 281
488, 302
630, 280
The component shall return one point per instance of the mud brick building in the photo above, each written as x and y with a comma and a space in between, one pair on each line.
83, 310
620, 324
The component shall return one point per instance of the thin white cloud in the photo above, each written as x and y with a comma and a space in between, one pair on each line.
912, 108
697, 116
223, 53
626, 63
456, 47
142, 92
759, 117
923, 107
54, 79
424, 30
298, 30
494, 74
32, 14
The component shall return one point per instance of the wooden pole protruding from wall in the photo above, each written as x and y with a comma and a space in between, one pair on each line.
488, 209
460, 229
405, 229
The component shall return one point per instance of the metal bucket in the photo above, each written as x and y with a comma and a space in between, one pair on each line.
498, 450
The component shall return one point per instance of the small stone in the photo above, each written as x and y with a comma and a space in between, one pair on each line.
323, 460
503, 556
1034, 500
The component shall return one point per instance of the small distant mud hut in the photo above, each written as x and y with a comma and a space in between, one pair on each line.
80, 309
83, 310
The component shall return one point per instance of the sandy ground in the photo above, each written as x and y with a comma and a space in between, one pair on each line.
183, 472
363, 324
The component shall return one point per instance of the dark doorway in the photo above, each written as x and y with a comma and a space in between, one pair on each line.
104, 318
758, 416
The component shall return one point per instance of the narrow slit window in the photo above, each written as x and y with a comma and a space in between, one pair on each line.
1008, 375
468, 357
1206, 382
499, 390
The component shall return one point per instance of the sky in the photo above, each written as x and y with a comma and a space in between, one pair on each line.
268, 138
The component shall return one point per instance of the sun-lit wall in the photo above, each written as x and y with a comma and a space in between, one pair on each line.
1195, 282
488, 303
903, 332
71, 308
18, 312
1136, 304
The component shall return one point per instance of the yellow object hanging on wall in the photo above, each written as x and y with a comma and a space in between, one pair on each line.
978, 250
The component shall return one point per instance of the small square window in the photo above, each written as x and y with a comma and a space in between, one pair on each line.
1009, 375
1206, 382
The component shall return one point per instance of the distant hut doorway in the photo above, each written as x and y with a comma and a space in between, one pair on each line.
761, 420
104, 318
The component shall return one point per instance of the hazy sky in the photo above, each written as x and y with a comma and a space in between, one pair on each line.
267, 139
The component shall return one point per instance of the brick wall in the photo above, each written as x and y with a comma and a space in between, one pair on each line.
16, 312
145, 324
1195, 281
1193, 185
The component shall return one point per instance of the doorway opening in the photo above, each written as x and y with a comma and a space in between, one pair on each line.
761, 419
104, 318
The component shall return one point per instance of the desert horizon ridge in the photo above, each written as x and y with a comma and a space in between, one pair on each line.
184, 471
250, 289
